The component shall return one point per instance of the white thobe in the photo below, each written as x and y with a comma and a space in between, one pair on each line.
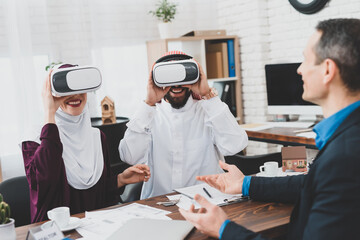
180, 144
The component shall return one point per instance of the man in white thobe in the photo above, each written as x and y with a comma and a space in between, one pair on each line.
180, 137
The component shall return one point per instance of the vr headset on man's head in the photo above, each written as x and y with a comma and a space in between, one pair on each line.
74, 80
175, 69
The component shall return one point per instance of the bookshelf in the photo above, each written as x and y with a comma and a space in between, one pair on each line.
219, 57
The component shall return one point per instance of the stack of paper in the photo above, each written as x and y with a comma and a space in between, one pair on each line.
101, 224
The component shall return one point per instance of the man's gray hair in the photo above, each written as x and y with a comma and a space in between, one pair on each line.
340, 42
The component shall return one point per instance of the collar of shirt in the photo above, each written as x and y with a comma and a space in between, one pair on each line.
326, 128
167, 106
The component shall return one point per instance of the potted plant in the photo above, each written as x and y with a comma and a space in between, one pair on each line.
7, 224
51, 65
165, 13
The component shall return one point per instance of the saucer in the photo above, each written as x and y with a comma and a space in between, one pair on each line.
74, 222
280, 173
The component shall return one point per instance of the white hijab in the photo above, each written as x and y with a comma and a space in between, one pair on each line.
82, 149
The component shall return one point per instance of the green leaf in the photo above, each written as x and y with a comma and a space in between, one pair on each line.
2, 216
165, 11
7, 210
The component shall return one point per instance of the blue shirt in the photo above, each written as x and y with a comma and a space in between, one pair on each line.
324, 130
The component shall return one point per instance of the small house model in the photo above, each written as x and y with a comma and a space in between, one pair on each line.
294, 159
108, 111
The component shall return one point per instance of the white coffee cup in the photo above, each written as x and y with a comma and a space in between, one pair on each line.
60, 215
270, 169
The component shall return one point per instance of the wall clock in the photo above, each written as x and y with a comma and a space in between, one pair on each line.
308, 6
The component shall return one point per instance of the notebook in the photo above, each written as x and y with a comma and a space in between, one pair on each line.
148, 229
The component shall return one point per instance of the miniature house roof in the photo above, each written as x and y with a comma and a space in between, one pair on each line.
289, 153
107, 100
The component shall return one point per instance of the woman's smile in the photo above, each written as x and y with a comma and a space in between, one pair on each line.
74, 102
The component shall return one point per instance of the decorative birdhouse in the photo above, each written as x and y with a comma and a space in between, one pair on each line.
108, 111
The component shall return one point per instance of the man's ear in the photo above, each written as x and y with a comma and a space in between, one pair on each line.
330, 70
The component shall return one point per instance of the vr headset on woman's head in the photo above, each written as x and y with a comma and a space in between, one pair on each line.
175, 69
74, 80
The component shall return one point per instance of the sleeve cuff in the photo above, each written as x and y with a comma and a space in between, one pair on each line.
246, 185
213, 106
142, 118
50, 131
222, 228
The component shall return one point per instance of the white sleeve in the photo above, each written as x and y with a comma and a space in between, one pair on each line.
228, 136
134, 147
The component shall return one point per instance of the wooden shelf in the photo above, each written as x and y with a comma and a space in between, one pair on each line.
197, 47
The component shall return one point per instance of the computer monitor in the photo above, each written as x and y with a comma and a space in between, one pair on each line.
284, 89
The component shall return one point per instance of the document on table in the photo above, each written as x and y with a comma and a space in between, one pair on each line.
307, 135
101, 224
255, 126
205, 190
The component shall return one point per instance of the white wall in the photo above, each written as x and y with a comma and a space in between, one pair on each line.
111, 34
271, 31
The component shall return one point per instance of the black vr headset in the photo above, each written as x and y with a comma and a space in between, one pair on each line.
74, 80
175, 69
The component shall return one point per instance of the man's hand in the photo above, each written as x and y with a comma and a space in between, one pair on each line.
134, 174
229, 182
154, 93
208, 219
51, 103
201, 87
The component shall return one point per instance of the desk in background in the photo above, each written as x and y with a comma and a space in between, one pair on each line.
269, 219
281, 135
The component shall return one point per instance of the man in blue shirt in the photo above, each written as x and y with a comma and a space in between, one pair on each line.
327, 199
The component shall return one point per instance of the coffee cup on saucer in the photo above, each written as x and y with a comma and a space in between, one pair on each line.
270, 169
60, 215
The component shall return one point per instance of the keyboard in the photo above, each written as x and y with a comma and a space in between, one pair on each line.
296, 124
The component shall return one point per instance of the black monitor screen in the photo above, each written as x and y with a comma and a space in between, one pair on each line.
284, 85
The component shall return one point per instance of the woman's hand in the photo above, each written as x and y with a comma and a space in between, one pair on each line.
154, 93
51, 103
134, 174
201, 87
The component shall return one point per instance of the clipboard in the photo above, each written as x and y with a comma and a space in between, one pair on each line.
211, 194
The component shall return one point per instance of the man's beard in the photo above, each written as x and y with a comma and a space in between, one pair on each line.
178, 102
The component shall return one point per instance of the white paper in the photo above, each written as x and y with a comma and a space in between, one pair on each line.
307, 134
101, 224
255, 126
51, 233
217, 197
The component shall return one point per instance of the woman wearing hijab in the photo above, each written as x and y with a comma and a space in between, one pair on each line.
68, 164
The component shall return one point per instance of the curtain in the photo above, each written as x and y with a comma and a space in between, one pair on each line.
109, 34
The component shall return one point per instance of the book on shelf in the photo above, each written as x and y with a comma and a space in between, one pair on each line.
231, 57
214, 65
226, 92
223, 49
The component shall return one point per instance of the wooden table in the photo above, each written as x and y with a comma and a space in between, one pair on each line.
269, 219
283, 136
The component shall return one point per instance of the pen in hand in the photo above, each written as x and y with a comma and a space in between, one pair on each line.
207, 193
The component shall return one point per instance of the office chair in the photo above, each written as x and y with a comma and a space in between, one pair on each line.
132, 192
16, 193
250, 164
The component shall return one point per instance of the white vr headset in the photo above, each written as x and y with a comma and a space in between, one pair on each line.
176, 69
74, 80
